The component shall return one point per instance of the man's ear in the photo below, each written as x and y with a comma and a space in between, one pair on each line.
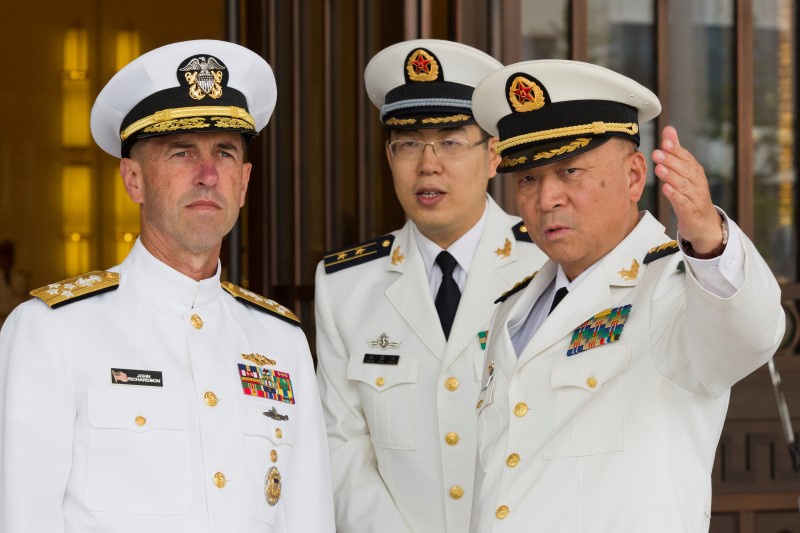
131, 172
636, 168
494, 158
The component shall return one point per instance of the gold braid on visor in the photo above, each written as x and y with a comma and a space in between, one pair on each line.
187, 112
596, 128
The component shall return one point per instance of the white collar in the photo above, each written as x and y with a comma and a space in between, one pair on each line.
462, 249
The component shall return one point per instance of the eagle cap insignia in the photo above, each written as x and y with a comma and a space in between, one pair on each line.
421, 65
204, 74
525, 94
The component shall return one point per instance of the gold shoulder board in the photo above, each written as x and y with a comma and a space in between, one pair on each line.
77, 288
358, 254
258, 301
516, 288
662, 250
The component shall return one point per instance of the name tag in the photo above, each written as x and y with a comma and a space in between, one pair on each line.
126, 376
378, 359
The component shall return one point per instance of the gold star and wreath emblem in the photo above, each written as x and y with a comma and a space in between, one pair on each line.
525, 95
422, 66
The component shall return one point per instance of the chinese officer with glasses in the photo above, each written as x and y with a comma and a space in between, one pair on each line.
402, 318
608, 373
154, 397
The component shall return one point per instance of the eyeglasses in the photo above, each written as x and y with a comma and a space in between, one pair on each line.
443, 148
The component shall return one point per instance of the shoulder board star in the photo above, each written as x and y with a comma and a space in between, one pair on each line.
521, 232
662, 250
516, 288
356, 255
263, 304
74, 289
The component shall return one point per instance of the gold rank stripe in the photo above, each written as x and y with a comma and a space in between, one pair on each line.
77, 288
270, 306
187, 112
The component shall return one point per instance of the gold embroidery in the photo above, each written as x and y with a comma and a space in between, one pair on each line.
421, 66
577, 143
505, 251
341, 255
440, 120
228, 122
400, 121
187, 112
595, 128
258, 359
360, 251
397, 257
632, 273
512, 162
177, 124
519, 94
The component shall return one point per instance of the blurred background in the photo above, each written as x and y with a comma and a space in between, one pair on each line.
726, 72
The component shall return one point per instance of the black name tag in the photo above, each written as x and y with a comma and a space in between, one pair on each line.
377, 359
126, 376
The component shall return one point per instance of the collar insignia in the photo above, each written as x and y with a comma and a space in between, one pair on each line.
397, 257
632, 273
421, 65
383, 342
505, 251
204, 76
603, 328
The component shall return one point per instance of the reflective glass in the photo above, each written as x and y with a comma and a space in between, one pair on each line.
774, 116
544, 29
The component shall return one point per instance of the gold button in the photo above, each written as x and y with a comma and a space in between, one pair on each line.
278, 433
502, 512
379, 382
523, 229
210, 399
456, 492
451, 384
451, 438
140, 421
219, 480
592, 382
197, 322
273, 456
478, 405
513, 460
521, 409
386, 243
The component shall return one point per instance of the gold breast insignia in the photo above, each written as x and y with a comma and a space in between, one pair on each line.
258, 359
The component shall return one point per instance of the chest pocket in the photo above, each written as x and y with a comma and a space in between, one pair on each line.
590, 402
268, 442
138, 453
388, 395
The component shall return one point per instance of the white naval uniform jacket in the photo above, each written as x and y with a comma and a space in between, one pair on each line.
619, 437
81, 453
387, 424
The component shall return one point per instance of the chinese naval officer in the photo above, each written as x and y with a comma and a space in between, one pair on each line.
402, 319
602, 412
153, 396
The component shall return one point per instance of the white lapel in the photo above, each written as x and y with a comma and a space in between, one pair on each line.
410, 294
497, 248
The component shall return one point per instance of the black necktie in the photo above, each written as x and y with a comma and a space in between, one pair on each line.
560, 293
449, 295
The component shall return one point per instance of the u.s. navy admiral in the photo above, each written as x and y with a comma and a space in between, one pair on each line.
134, 399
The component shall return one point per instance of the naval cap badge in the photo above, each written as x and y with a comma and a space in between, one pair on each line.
204, 76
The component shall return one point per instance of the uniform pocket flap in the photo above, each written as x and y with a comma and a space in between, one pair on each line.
138, 411
264, 418
591, 370
382, 377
